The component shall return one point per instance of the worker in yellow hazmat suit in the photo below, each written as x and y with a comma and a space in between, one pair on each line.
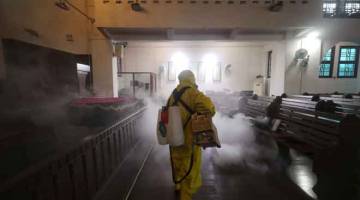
188, 156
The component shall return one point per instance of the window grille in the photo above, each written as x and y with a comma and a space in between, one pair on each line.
326, 66
341, 8
352, 8
348, 62
329, 9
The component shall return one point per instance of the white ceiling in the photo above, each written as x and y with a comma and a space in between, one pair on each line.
194, 34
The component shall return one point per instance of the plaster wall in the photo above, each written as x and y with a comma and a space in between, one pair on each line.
102, 67
246, 18
247, 60
211, 15
249, 17
277, 80
300, 79
51, 23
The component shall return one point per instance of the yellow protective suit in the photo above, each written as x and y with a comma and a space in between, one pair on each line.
181, 156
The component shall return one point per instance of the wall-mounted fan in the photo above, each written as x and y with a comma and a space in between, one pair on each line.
228, 70
302, 57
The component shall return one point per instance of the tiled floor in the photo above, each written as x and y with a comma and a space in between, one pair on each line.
242, 183
301, 173
246, 167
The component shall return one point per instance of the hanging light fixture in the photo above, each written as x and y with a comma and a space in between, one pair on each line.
276, 6
62, 4
65, 5
135, 6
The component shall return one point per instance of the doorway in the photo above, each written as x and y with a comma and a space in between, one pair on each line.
84, 73
268, 73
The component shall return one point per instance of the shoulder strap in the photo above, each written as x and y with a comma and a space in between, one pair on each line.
177, 98
177, 94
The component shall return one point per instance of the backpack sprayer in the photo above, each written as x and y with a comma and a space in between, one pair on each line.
204, 131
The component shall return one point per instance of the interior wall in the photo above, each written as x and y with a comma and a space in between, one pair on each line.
277, 80
352, 84
300, 80
48, 21
223, 15
249, 15
333, 29
243, 17
36, 74
247, 61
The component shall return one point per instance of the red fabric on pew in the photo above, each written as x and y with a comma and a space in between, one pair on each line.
102, 100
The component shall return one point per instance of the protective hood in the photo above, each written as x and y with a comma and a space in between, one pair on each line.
187, 77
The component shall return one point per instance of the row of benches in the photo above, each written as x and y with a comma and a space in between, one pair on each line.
332, 140
335, 98
302, 126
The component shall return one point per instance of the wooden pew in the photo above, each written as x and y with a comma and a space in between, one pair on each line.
349, 108
298, 103
302, 127
335, 98
305, 129
330, 139
343, 107
255, 107
355, 97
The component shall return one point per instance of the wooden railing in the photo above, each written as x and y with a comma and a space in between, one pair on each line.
80, 173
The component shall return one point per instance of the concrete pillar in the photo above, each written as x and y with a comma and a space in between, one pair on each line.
102, 60
277, 80
104, 68
292, 72
118, 63
115, 76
